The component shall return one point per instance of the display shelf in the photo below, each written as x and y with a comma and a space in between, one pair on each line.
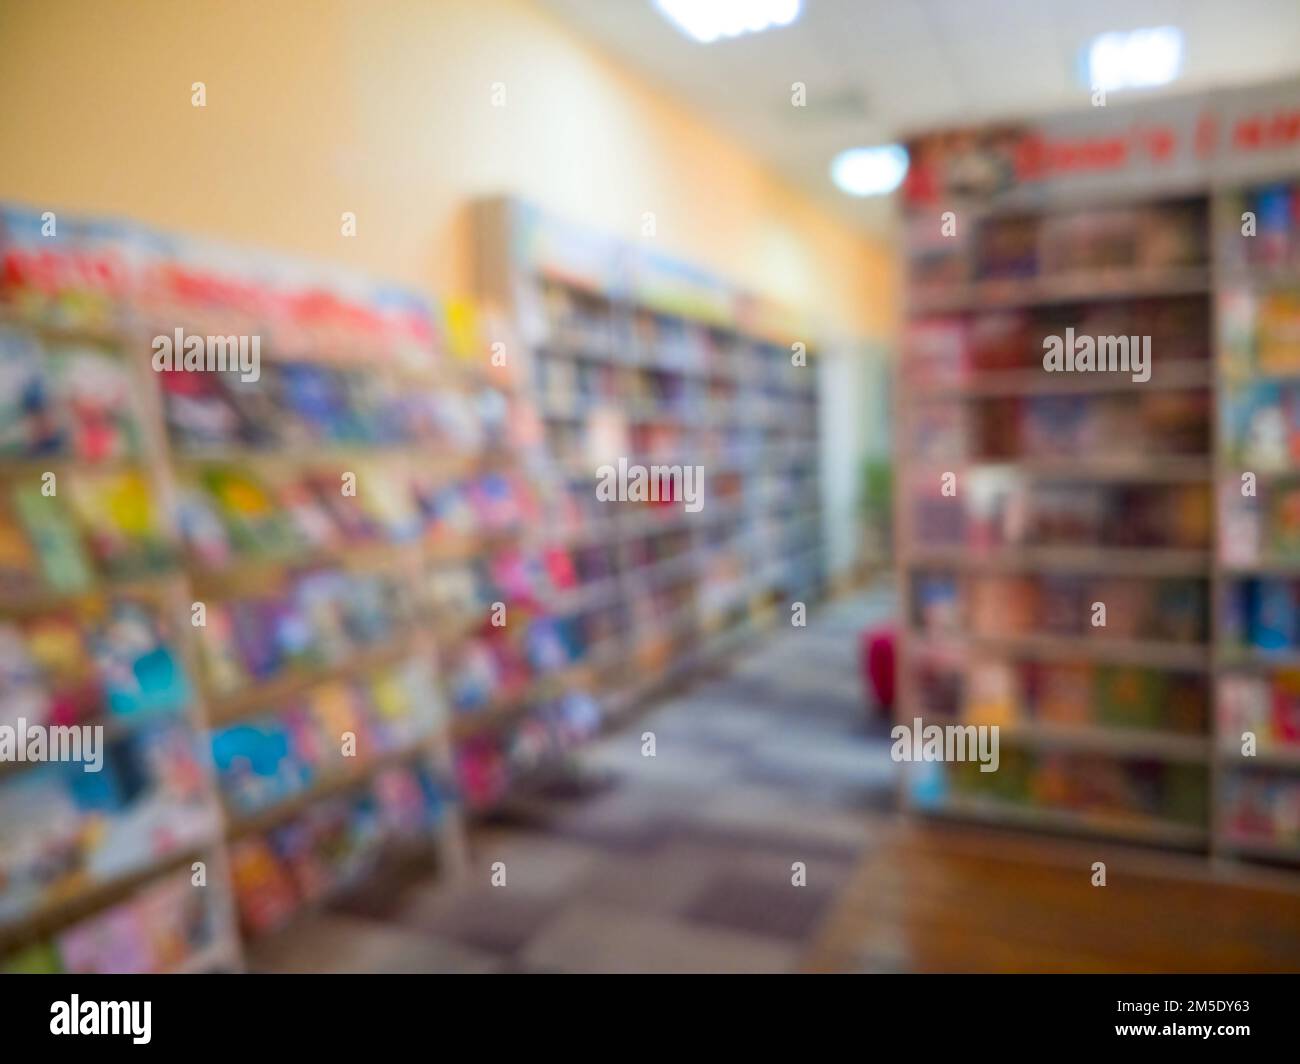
138, 485
1256, 651
393, 420
1222, 320
1070, 488
620, 371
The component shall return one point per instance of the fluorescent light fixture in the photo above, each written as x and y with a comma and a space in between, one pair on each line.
709, 20
1137, 59
870, 171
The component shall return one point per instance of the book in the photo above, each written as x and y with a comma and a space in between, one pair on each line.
94, 396
56, 539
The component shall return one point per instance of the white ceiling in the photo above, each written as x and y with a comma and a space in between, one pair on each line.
878, 69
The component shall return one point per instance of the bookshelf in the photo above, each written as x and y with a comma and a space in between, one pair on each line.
111, 617
1063, 490
271, 653
1257, 288
634, 355
1074, 488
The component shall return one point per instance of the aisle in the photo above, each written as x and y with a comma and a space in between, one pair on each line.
684, 861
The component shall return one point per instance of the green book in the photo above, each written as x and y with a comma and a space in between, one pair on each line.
52, 532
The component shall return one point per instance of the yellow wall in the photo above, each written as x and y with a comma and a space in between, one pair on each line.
316, 107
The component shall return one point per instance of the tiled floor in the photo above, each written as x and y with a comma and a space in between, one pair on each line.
685, 862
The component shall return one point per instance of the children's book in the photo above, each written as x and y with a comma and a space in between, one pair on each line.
141, 671
119, 519
55, 537
29, 422
264, 891
94, 394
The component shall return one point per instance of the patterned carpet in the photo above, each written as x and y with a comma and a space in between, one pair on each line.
679, 863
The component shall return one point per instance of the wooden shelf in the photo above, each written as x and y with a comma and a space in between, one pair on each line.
1263, 567
91, 895
1144, 469
1249, 658
1124, 742
212, 580
240, 822
154, 588
363, 556
1193, 657
1118, 561
1282, 274
217, 956
426, 456
186, 580
1264, 849
1065, 288
1174, 375
1100, 464
1273, 757
507, 708
1145, 829
224, 709
71, 468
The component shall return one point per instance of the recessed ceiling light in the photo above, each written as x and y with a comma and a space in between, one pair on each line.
872, 171
708, 20
1137, 59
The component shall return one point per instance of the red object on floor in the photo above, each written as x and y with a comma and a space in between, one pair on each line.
876, 652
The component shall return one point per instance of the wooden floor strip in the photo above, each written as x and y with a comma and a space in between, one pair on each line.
941, 898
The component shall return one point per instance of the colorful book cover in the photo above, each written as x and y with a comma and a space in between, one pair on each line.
1286, 706
249, 513
1273, 624
94, 394
29, 422
51, 530
1130, 697
115, 941
264, 892
1244, 705
141, 672
119, 518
